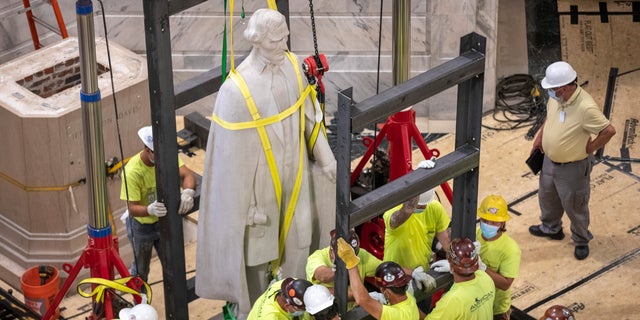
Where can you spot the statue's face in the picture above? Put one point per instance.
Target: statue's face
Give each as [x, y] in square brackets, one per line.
[274, 45]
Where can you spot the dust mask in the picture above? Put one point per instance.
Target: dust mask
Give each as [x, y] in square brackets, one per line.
[488, 231]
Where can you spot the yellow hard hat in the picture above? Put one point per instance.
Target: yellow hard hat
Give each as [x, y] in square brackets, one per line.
[494, 208]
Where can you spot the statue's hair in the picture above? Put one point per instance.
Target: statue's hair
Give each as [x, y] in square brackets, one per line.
[261, 23]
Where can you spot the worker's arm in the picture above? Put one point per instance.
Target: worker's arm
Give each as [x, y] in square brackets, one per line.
[603, 137]
[401, 215]
[324, 274]
[499, 280]
[444, 239]
[138, 210]
[537, 143]
[187, 178]
[360, 293]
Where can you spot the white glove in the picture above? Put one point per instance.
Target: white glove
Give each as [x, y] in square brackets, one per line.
[441, 266]
[124, 217]
[427, 164]
[423, 281]
[481, 265]
[378, 297]
[186, 200]
[157, 209]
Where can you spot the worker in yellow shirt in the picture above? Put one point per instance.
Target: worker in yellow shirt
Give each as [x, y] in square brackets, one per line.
[283, 300]
[499, 252]
[472, 293]
[411, 228]
[393, 282]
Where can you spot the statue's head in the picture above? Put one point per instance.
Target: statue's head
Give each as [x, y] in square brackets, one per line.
[267, 31]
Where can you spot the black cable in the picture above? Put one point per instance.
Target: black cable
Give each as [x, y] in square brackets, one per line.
[115, 108]
[519, 104]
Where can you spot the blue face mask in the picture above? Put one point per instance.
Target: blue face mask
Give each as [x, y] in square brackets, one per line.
[488, 231]
[298, 314]
[552, 95]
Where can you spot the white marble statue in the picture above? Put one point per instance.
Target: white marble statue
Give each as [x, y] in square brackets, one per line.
[254, 140]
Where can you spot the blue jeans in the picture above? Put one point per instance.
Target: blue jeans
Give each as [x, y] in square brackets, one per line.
[143, 238]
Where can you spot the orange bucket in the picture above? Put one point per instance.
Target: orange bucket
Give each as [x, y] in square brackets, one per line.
[40, 286]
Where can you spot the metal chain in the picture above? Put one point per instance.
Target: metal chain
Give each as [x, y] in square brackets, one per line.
[313, 28]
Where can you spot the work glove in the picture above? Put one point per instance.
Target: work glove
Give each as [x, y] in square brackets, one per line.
[186, 200]
[481, 265]
[441, 266]
[157, 209]
[378, 297]
[423, 281]
[427, 164]
[346, 253]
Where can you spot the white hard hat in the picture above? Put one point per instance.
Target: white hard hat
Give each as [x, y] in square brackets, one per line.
[426, 197]
[317, 298]
[558, 74]
[146, 135]
[141, 311]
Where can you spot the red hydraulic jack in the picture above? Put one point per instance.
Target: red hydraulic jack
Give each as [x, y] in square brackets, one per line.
[399, 129]
[101, 256]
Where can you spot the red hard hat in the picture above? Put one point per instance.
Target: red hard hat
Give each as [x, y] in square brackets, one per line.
[558, 313]
[293, 291]
[354, 240]
[463, 256]
[390, 275]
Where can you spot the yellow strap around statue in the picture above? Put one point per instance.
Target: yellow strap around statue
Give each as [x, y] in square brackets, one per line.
[262, 121]
[262, 133]
[104, 284]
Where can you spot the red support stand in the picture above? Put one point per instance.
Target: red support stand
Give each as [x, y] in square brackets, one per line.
[399, 129]
[101, 256]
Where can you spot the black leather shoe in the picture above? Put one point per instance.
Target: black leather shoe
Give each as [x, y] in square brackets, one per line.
[581, 252]
[535, 230]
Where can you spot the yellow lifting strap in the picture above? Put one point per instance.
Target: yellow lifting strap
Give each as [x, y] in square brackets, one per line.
[100, 285]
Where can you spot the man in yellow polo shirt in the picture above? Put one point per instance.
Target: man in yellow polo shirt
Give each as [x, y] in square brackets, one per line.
[573, 130]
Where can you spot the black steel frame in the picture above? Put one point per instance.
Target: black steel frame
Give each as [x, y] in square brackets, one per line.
[466, 71]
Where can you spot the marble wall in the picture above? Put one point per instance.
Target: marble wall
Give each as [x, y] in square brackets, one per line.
[347, 33]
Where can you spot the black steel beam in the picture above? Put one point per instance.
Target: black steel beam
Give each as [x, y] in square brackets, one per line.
[377, 201]
[343, 190]
[163, 120]
[199, 126]
[200, 86]
[416, 89]
[468, 130]
[176, 6]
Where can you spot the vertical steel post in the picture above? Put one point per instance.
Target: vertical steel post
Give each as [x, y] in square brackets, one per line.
[343, 189]
[469, 110]
[163, 120]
